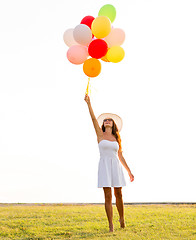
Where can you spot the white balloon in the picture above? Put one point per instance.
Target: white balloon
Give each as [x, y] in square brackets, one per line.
[82, 34]
[68, 37]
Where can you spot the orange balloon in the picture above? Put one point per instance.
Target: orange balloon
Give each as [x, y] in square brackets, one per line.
[92, 67]
[105, 59]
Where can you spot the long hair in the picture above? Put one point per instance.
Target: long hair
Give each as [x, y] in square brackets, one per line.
[115, 132]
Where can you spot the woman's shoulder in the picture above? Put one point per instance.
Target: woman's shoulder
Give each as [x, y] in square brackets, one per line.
[100, 136]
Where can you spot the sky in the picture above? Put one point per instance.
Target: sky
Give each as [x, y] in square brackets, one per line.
[48, 146]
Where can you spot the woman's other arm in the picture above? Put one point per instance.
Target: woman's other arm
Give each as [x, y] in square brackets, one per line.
[121, 158]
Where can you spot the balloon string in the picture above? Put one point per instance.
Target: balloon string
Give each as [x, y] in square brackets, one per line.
[88, 87]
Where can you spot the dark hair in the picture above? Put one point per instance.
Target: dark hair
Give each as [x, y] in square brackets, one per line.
[115, 132]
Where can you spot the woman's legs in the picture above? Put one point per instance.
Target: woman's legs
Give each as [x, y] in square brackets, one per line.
[108, 206]
[119, 205]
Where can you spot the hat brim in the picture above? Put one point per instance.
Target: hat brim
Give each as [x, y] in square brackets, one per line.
[116, 118]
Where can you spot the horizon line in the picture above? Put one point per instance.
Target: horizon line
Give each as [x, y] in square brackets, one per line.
[125, 203]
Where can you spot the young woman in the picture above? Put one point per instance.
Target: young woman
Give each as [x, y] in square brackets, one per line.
[110, 173]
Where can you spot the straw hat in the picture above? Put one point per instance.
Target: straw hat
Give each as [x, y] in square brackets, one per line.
[116, 118]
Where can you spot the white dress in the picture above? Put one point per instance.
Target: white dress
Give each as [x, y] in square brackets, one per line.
[110, 173]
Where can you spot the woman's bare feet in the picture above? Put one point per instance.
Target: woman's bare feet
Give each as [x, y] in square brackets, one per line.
[111, 228]
[122, 223]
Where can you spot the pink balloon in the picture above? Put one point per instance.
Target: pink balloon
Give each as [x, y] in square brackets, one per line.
[77, 54]
[115, 38]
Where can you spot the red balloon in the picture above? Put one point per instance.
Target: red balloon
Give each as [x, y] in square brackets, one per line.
[97, 48]
[87, 21]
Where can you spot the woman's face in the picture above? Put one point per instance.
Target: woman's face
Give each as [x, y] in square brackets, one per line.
[108, 122]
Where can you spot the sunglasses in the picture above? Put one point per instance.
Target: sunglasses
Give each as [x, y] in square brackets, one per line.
[108, 119]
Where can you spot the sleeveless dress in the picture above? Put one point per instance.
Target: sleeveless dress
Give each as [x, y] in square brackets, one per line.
[110, 172]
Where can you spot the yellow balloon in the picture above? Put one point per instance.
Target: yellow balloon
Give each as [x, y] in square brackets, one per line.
[115, 54]
[101, 26]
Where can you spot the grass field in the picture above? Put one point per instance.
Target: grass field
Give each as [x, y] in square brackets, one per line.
[89, 222]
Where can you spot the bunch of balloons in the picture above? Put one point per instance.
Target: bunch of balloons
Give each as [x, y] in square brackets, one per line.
[94, 39]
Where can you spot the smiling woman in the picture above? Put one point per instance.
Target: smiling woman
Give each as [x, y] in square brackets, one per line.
[110, 173]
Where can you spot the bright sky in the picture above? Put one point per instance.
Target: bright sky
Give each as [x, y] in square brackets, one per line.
[48, 147]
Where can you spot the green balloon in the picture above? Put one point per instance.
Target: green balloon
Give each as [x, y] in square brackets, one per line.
[109, 11]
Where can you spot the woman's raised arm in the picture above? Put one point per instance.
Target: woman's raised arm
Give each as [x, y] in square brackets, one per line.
[94, 120]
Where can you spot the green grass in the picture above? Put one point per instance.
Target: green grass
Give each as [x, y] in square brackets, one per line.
[89, 222]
